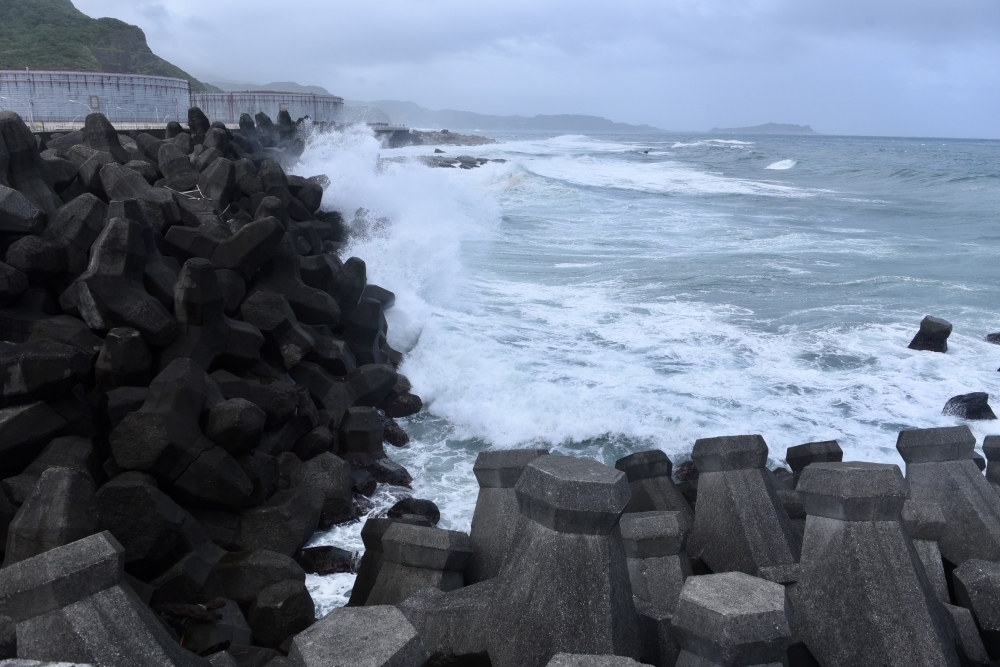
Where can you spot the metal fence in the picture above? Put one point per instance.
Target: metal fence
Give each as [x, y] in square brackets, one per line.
[227, 107]
[60, 100]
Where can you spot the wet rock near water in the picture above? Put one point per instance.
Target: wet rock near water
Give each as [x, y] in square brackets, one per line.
[458, 162]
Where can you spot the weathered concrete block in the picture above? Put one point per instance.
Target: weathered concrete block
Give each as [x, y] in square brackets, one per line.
[977, 588]
[576, 660]
[60, 577]
[244, 574]
[59, 511]
[740, 523]
[657, 563]
[653, 489]
[564, 585]
[371, 560]
[279, 611]
[416, 557]
[925, 524]
[362, 637]
[940, 470]
[732, 619]
[496, 511]
[799, 456]
[862, 595]
[971, 650]
[284, 523]
[451, 625]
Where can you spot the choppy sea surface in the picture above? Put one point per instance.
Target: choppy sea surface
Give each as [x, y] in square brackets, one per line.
[600, 295]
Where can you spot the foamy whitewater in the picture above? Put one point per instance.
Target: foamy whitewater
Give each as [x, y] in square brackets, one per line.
[604, 295]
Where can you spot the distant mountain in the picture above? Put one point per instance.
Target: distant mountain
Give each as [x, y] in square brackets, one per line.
[53, 34]
[278, 86]
[766, 128]
[408, 113]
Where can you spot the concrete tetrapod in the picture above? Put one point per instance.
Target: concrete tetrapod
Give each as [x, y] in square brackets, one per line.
[564, 586]
[416, 557]
[740, 523]
[657, 562]
[652, 488]
[862, 595]
[359, 637]
[496, 509]
[940, 470]
[731, 620]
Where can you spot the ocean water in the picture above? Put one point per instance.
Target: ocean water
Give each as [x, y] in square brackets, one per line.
[599, 295]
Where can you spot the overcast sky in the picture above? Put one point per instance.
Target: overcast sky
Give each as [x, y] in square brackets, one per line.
[884, 67]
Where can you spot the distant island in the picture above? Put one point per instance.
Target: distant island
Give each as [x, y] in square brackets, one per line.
[766, 128]
[408, 113]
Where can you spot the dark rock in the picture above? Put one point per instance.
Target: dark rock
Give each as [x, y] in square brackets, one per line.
[246, 178]
[99, 135]
[387, 471]
[25, 170]
[164, 438]
[144, 169]
[740, 523]
[146, 522]
[124, 360]
[363, 332]
[658, 565]
[18, 214]
[243, 252]
[204, 159]
[235, 425]
[61, 172]
[363, 482]
[217, 137]
[205, 334]
[279, 611]
[732, 619]
[13, 283]
[383, 296]
[652, 488]
[110, 292]
[933, 335]
[392, 432]
[218, 183]
[122, 401]
[940, 470]
[320, 271]
[564, 583]
[68, 330]
[398, 405]
[41, 369]
[284, 523]
[334, 395]
[417, 506]
[176, 168]
[332, 476]
[977, 588]
[230, 627]
[361, 437]
[317, 441]
[159, 204]
[199, 124]
[60, 510]
[277, 399]
[799, 456]
[371, 383]
[286, 342]
[969, 406]
[307, 192]
[244, 574]
[281, 275]
[264, 473]
[67, 452]
[377, 636]
[326, 560]
[24, 430]
[860, 577]
[233, 287]
[191, 580]
[149, 146]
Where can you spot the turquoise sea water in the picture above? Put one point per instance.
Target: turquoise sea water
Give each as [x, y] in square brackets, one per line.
[600, 295]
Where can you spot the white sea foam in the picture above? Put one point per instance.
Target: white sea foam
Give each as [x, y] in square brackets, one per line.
[782, 165]
[508, 348]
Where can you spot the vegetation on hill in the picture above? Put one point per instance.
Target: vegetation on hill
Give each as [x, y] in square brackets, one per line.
[53, 34]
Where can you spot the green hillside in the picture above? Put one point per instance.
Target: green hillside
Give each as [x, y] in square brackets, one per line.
[53, 34]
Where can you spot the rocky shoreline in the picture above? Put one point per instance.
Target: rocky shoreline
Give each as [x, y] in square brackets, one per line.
[195, 382]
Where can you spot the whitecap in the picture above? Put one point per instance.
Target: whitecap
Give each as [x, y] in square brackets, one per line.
[782, 164]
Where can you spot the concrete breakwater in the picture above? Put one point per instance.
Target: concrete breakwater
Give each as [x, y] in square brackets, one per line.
[195, 381]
